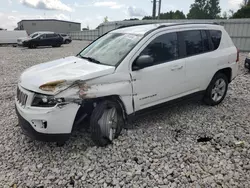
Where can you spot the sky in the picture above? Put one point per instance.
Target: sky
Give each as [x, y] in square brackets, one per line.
[89, 12]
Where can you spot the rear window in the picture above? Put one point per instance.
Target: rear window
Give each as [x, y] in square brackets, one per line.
[216, 38]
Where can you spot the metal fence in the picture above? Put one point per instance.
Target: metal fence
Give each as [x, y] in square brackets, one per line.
[238, 29]
[89, 35]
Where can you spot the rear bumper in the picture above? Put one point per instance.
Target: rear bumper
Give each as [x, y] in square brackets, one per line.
[29, 131]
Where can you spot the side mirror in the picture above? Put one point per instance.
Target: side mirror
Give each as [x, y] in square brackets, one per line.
[142, 62]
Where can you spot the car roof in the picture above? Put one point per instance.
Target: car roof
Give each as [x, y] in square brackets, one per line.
[44, 32]
[143, 29]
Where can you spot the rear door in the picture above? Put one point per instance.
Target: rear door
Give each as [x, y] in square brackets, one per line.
[51, 39]
[42, 40]
[58, 39]
[200, 60]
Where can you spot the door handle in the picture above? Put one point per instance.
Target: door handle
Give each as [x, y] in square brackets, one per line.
[174, 68]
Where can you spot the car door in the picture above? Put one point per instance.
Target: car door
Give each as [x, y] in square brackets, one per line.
[200, 62]
[164, 80]
[50, 39]
[42, 40]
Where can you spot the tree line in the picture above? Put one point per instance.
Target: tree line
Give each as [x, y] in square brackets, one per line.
[207, 9]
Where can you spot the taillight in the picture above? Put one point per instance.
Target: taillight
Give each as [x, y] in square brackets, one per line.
[238, 55]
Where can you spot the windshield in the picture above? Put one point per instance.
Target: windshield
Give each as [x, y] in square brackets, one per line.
[111, 48]
[33, 35]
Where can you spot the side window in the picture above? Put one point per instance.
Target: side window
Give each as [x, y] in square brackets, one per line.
[205, 41]
[42, 36]
[193, 42]
[50, 35]
[162, 49]
[55, 35]
[216, 38]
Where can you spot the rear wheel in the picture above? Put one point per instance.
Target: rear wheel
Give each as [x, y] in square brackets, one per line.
[106, 122]
[216, 90]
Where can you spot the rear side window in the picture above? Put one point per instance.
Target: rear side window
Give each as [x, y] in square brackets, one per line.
[163, 48]
[206, 47]
[216, 38]
[51, 35]
[193, 42]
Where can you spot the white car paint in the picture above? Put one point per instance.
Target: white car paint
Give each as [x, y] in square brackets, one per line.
[155, 84]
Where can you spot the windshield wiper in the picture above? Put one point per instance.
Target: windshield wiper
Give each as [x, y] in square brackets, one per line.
[91, 59]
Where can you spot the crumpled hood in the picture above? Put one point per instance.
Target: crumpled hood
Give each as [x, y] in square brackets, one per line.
[70, 69]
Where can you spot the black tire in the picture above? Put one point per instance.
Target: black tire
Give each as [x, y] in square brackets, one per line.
[60, 144]
[67, 41]
[97, 135]
[208, 99]
[247, 64]
[32, 46]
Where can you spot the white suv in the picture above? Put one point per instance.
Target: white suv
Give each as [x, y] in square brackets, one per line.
[123, 73]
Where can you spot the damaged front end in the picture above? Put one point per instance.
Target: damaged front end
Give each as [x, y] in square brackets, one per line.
[63, 92]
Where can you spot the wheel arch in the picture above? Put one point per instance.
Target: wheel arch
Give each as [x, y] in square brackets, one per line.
[227, 71]
[88, 106]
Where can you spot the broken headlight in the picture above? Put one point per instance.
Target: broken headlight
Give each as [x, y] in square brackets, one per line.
[45, 100]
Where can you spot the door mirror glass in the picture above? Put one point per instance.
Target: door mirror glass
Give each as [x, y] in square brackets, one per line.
[142, 62]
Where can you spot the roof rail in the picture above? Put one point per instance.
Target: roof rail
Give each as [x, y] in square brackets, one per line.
[177, 24]
[124, 26]
[188, 23]
[162, 26]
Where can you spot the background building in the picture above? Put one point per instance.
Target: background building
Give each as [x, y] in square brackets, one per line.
[58, 26]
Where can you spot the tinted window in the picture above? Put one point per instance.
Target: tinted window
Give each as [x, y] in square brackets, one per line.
[193, 42]
[164, 48]
[42, 36]
[216, 38]
[205, 41]
[51, 35]
[34, 35]
[63, 35]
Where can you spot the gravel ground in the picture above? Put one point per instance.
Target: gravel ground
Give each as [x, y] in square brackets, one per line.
[161, 151]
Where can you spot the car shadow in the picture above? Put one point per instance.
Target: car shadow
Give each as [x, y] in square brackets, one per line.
[40, 47]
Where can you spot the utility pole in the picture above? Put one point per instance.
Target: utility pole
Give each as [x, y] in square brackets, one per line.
[159, 10]
[154, 9]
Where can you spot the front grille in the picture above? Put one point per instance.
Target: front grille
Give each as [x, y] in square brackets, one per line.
[21, 97]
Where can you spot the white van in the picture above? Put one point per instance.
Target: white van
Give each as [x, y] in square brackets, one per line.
[123, 73]
[10, 37]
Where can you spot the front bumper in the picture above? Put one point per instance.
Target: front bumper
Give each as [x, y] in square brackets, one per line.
[29, 131]
[45, 124]
[247, 63]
